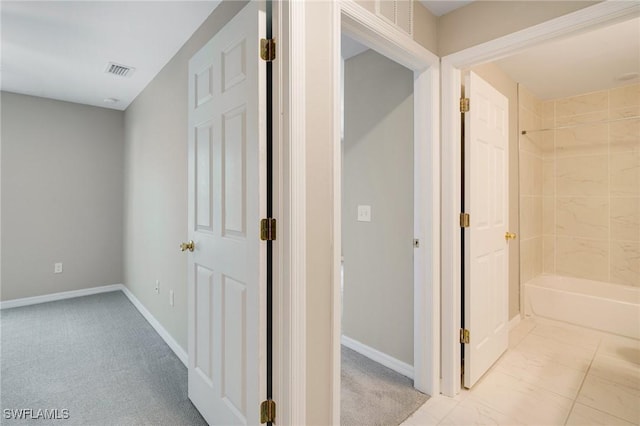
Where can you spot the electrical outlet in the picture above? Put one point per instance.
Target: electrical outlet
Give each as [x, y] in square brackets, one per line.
[57, 268]
[157, 287]
[171, 297]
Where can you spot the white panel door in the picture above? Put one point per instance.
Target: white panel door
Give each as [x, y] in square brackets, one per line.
[226, 271]
[486, 249]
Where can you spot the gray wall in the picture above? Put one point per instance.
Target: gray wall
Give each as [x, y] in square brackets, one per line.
[62, 192]
[504, 84]
[155, 196]
[378, 171]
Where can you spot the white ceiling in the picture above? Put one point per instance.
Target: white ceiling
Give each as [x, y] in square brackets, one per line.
[442, 7]
[60, 49]
[584, 63]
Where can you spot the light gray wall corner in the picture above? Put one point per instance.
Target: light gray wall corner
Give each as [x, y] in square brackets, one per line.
[62, 190]
[155, 195]
[378, 171]
[425, 27]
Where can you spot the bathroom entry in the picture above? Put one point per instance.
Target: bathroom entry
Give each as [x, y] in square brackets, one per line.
[485, 224]
[377, 207]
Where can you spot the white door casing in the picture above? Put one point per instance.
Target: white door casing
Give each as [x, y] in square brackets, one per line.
[354, 20]
[226, 199]
[486, 254]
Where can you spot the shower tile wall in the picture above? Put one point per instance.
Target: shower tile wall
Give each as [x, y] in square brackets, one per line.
[590, 186]
[531, 186]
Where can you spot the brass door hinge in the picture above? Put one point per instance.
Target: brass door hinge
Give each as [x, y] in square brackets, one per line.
[464, 105]
[465, 336]
[268, 411]
[465, 219]
[268, 49]
[268, 229]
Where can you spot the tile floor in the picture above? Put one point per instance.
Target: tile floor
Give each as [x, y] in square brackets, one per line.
[552, 374]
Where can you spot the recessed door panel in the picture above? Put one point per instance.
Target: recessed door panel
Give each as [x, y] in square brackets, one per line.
[233, 334]
[203, 86]
[234, 146]
[204, 312]
[482, 164]
[204, 168]
[234, 64]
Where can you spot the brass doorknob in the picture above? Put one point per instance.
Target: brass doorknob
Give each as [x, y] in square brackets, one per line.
[510, 236]
[188, 246]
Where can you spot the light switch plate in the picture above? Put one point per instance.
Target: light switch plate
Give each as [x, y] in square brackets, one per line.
[364, 213]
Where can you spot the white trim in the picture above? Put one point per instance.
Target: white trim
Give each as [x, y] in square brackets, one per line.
[388, 361]
[336, 299]
[26, 301]
[513, 322]
[175, 347]
[451, 208]
[606, 12]
[370, 30]
[291, 179]
[280, 374]
[426, 264]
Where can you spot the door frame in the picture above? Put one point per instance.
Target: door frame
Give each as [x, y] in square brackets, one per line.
[289, 203]
[600, 14]
[360, 24]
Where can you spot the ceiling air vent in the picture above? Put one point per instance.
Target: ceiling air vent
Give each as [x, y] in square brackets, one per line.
[119, 70]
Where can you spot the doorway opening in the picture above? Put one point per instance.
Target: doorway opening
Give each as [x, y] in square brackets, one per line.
[377, 239]
[354, 21]
[453, 66]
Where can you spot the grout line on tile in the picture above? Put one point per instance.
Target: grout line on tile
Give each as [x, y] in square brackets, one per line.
[441, 418]
[448, 412]
[609, 184]
[535, 325]
[584, 379]
[604, 412]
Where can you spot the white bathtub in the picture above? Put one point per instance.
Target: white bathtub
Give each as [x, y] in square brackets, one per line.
[602, 306]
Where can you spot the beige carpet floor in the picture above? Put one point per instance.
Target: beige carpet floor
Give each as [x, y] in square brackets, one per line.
[374, 395]
[95, 360]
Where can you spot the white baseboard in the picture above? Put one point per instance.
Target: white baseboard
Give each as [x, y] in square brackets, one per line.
[25, 301]
[379, 357]
[514, 321]
[175, 347]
